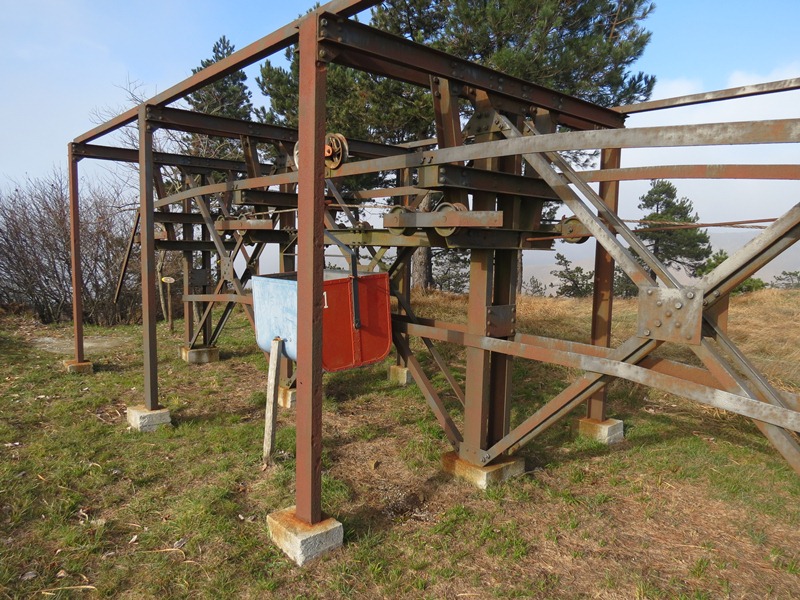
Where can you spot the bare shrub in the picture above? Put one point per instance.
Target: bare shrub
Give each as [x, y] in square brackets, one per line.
[35, 265]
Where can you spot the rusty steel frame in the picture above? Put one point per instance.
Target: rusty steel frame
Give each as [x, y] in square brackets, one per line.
[501, 167]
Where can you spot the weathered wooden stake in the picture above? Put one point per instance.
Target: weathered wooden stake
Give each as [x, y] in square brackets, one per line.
[273, 387]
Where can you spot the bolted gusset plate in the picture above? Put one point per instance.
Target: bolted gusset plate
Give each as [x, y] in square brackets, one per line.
[671, 315]
[501, 320]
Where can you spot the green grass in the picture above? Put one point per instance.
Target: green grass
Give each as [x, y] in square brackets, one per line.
[182, 512]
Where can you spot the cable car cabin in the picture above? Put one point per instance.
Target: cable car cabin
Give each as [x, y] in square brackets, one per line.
[356, 320]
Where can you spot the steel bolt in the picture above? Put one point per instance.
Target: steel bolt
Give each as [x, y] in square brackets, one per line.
[688, 336]
[323, 53]
[323, 22]
[716, 293]
[690, 295]
[485, 458]
[649, 292]
[657, 323]
[679, 305]
[647, 332]
[659, 303]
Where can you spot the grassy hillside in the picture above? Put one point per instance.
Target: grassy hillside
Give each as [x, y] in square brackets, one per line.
[694, 504]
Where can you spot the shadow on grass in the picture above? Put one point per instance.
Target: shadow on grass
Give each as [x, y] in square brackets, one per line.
[369, 520]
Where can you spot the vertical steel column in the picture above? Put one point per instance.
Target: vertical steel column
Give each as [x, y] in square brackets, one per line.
[476, 394]
[188, 267]
[75, 252]
[287, 264]
[506, 277]
[311, 209]
[603, 297]
[205, 265]
[148, 260]
[403, 275]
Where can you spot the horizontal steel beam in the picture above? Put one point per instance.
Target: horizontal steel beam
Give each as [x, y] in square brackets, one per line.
[194, 122]
[193, 163]
[710, 134]
[238, 299]
[361, 39]
[713, 134]
[727, 94]
[776, 172]
[776, 415]
[243, 225]
[177, 217]
[478, 180]
[190, 245]
[471, 218]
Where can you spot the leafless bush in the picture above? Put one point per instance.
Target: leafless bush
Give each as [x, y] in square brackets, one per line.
[35, 250]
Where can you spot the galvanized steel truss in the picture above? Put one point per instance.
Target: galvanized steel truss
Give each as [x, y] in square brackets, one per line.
[493, 208]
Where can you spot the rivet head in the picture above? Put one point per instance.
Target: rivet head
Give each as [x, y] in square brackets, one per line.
[716, 293]
[679, 305]
[668, 313]
[647, 332]
[659, 303]
[649, 292]
[690, 295]
[677, 325]
[688, 336]
[657, 323]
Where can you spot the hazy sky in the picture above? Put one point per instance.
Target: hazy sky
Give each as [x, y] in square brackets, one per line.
[65, 61]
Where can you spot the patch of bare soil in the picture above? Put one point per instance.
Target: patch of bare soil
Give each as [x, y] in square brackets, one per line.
[59, 345]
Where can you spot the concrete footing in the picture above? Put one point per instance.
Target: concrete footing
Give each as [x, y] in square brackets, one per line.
[300, 541]
[287, 397]
[609, 431]
[82, 367]
[400, 375]
[201, 355]
[497, 472]
[142, 419]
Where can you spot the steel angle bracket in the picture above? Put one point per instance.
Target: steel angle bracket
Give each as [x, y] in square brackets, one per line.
[671, 314]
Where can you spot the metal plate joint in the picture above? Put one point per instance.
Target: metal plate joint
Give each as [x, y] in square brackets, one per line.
[671, 315]
[199, 277]
[501, 321]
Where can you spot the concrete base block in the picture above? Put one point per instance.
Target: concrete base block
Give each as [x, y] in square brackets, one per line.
[142, 419]
[609, 431]
[287, 397]
[300, 541]
[497, 472]
[200, 356]
[83, 367]
[400, 375]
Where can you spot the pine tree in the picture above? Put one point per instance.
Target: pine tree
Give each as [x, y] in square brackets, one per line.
[574, 282]
[679, 248]
[584, 48]
[227, 97]
[751, 284]
[787, 280]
